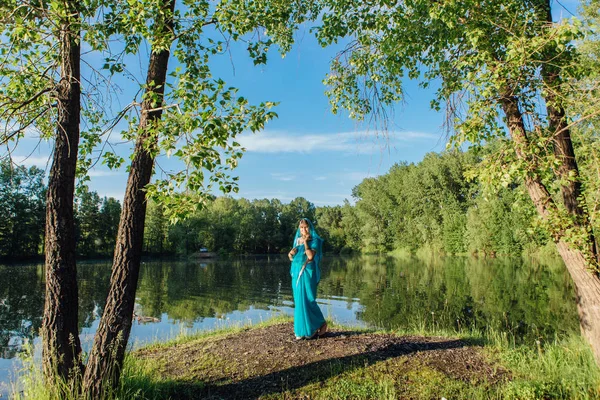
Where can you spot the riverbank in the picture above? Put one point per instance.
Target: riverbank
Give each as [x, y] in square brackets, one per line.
[515, 302]
[265, 361]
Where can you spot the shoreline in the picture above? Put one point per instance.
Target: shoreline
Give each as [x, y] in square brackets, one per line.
[265, 361]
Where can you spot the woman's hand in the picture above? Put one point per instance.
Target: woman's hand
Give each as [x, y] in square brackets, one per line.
[303, 240]
[291, 254]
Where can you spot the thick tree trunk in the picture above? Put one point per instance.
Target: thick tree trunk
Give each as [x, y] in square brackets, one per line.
[106, 358]
[60, 337]
[587, 289]
[587, 281]
[567, 171]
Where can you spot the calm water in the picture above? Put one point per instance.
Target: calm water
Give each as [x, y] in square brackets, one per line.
[531, 301]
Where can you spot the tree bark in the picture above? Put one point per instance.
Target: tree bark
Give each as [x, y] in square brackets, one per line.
[567, 171]
[587, 291]
[106, 358]
[586, 280]
[60, 337]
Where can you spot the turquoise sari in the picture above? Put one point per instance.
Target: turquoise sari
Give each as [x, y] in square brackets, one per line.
[308, 318]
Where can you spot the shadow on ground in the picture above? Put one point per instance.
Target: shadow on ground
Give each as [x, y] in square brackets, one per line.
[268, 361]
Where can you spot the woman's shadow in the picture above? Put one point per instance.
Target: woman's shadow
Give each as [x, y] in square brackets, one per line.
[298, 376]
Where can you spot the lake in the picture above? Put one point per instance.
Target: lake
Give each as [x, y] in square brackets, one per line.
[528, 301]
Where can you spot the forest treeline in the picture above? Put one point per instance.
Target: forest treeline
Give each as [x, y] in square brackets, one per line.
[430, 204]
[23, 211]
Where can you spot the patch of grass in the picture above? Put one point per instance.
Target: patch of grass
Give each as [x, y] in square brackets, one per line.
[391, 379]
[142, 380]
[559, 370]
[183, 368]
[360, 382]
[184, 337]
[31, 383]
[423, 382]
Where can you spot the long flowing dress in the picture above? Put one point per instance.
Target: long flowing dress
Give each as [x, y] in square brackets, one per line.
[308, 317]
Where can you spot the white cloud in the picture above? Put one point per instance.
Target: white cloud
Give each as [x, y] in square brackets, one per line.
[319, 202]
[259, 195]
[30, 161]
[320, 178]
[283, 177]
[286, 197]
[31, 133]
[115, 195]
[348, 142]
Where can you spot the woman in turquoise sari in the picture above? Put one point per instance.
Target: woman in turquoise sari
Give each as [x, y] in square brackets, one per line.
[305, 257]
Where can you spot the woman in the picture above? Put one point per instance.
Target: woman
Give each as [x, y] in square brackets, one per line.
[305, 257]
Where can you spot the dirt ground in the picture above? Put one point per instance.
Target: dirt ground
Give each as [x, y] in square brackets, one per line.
[270, 361]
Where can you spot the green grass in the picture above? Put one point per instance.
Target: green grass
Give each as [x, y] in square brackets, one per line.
[562, 369]
[227, 329]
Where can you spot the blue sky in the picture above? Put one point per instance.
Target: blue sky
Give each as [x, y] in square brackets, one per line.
[307, 151]
[310, 152]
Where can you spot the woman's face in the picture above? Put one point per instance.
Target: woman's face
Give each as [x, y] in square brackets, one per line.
[304, 229]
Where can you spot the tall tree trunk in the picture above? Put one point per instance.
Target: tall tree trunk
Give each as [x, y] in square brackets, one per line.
[60, 337]
[587, 281]
[567, 171]
[106, 358]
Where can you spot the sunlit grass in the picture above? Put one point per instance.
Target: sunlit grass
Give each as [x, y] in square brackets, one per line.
[562, 369]
[227, 328]
[558, 369]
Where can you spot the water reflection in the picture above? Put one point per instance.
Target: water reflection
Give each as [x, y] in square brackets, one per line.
[189, 292]
[21, 306]
[530, 301]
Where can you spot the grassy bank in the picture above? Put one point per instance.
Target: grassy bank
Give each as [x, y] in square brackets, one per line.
[266, 361]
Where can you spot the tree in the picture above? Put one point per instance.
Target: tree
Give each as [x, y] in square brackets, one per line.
[375, 209]
[44, 93]
[210, 114]
[498, 223]
[110, 212]
[88, 223]
[22, 206]
[506, 69]
[41, 89]
[155, 229]
[291, 214]
[266, 228]
[61, 345]
[351, 227]
[330, 227]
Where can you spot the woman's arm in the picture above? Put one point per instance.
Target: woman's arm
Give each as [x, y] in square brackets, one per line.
[292, 253]
[310, 253]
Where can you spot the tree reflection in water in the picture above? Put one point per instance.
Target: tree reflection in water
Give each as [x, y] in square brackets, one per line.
[529, 301]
